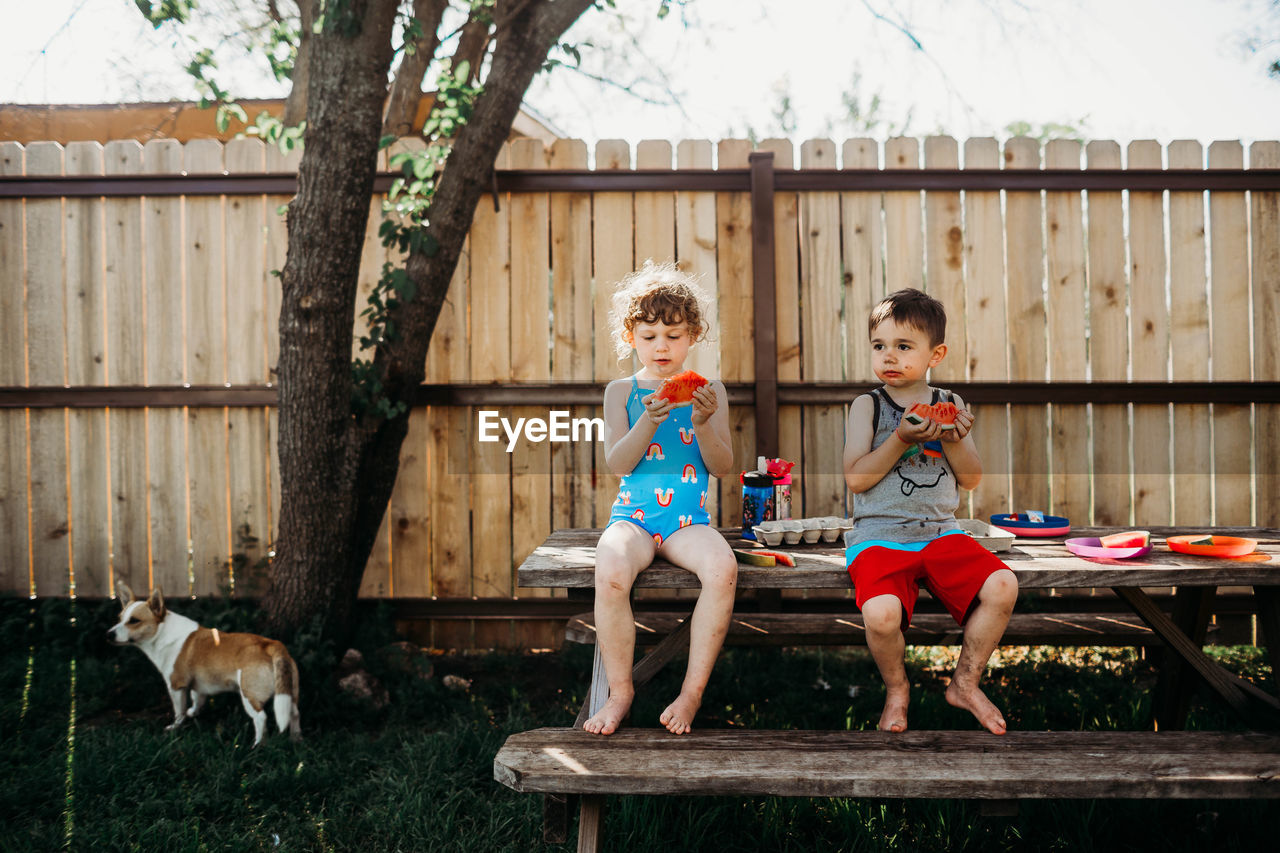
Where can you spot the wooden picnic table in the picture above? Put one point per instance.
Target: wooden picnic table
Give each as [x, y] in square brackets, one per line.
[557, 762]
[566, 560]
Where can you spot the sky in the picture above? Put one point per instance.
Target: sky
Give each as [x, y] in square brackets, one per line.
[712, 69]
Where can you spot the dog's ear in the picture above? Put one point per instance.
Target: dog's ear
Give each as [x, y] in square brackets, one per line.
[156, 602]
[124, 593]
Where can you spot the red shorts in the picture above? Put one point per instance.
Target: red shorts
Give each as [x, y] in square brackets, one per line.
[954, 568]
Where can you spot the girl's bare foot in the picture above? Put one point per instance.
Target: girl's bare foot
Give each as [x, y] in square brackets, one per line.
[678, 718]
[607, 719]
[976, 702]
[894, 716]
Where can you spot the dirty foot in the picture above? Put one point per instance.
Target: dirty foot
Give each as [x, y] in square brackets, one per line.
[976, 702]
[678, 718]
[607, 719]
[894, 716]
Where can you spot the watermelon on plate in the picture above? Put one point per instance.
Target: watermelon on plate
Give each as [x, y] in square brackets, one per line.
[944, 414]
[679, 388]
[1127, 539]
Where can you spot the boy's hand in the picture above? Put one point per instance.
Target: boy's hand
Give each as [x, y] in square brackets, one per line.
[656, 409]
[705, 404]
[964, 423]
[927, 430]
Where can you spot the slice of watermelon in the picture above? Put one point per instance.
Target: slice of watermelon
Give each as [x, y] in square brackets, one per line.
[943, 413]
[783, 558]
[755, 558]
[1127, 539]
[679, 388]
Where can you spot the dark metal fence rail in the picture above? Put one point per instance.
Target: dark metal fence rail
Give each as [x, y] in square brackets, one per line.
[683, 180]
[590, 393]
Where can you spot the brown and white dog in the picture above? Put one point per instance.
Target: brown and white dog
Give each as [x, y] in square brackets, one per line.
[198, 662]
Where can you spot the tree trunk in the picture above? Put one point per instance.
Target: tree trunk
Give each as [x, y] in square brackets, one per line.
[337, 472]
[349, 62]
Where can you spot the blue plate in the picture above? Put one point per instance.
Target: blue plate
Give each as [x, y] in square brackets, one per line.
[1020, 525]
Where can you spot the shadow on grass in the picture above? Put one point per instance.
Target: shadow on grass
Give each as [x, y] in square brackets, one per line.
[417, 775]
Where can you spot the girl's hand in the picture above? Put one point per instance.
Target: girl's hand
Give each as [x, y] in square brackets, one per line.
[705, 404]
[964, 423]
[656, 409]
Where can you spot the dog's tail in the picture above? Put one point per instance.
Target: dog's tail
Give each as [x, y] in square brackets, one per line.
[285, 702]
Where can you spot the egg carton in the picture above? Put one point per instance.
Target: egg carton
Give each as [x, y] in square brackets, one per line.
[792, 531]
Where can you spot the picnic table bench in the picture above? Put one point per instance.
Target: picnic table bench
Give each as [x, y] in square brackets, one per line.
[1162, 764]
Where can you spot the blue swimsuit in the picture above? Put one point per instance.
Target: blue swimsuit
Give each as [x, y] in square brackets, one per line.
[667, 489]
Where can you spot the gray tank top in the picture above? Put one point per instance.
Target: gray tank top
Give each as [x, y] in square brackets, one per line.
[917, 500]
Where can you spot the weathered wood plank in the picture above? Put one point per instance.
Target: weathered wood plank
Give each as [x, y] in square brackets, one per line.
[800, 629]
[205, 257]
[1229, 275]
[939, 764]
[1264, 235]
[165, 360]
[821, 284]
[15, 575]
[572, 501]
[733, 336]
[86, 365]
[1108, 341]
[567, 557]
[1069, 442]
[987, 320]
[1028, 349]
[1149, 342]
[46, 365]
[531, 354]
[613, 258]
[248, 284]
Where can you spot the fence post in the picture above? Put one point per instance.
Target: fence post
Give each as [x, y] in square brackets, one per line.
[765, 323]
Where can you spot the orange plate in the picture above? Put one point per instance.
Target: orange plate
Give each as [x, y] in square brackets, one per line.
[1223, 546]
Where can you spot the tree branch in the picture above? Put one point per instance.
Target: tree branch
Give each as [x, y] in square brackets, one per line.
[406, 89]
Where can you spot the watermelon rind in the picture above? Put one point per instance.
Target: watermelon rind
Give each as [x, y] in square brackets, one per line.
[779, 556]
[753, 559]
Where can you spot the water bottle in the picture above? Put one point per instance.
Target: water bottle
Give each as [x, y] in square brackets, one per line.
[757, 501]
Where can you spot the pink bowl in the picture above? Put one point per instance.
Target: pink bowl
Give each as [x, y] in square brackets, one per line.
[1092, 547]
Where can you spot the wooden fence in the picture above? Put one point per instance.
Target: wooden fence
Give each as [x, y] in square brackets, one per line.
[1147, 288]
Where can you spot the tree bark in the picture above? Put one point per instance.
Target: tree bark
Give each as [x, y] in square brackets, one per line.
[337, 472]
[348, 66]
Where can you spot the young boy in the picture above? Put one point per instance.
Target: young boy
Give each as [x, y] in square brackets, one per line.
[905, 532]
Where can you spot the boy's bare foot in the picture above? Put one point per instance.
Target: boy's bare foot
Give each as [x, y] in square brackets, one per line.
[678, 718]
[976, 702]
[607, 719]
[894, 716]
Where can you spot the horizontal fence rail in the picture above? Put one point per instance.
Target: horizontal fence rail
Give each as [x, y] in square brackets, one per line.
[590, 393]
[685, 180]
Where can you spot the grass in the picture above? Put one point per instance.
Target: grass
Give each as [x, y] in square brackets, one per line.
[88, 766]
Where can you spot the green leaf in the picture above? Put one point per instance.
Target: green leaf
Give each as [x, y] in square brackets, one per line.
[424, 167]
